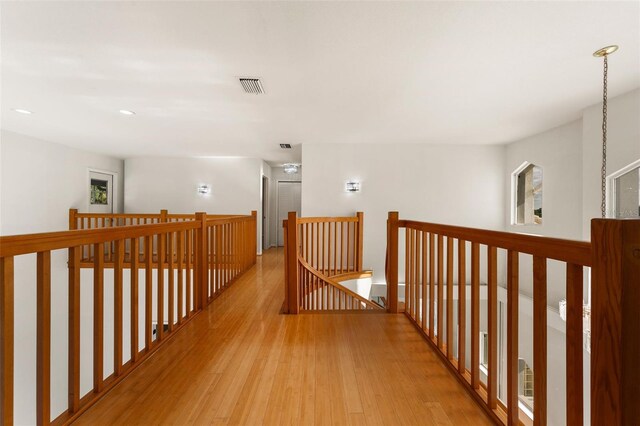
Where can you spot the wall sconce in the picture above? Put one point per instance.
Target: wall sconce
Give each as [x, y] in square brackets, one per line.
[204, 189]
[352, 186]
[290, 168]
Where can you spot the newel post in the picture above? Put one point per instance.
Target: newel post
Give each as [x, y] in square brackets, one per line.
[73, 221]
[615, 322]
[360, 241]
[391, 271]
[201, 256]
[292, 263]
[163, 216]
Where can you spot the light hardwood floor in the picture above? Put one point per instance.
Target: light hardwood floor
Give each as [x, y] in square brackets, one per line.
[241, 362]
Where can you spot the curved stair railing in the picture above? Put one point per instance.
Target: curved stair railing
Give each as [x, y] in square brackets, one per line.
[319, 292]
[320, 252]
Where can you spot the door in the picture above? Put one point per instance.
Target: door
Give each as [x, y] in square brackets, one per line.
[100, 192]
[265, 212]
[289, 200]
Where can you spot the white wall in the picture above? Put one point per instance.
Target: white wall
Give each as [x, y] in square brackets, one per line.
[40, 182]
[155, 183]
[559, 153]
[459, 184]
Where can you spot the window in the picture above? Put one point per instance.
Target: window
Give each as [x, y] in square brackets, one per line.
[626, 192]
[484, 349]
[527, 186]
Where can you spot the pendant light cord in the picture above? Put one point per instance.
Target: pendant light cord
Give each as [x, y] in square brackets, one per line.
[603, 206]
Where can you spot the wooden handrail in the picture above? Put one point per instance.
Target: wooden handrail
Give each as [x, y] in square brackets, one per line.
[614, 254]
[576, 252]
[201, 258]
[324, 303]
[335, 284]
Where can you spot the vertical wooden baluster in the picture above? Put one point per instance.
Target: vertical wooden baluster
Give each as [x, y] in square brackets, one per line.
[424, 279]
[492, 308]
[341, 247]
[574, 338]
[180, 276]
[462, 306]
[211, 270]
[316, 263]
[171, 283]
[334, 247]
[188, 274]
[440, 292]
[73, 375]
[160, 305]
[513, 294]
[323, 265]
[117, 306]
[135, 259]
[6, 339]
[360, 240]
[219, 255]
[148, 290]
[228, 248]
[416, 277]
[348, 244]
[407, 257]
[98, 317]
[475, 315]
[450, 298]
[540, 340]
[43, 341]
[432, 285]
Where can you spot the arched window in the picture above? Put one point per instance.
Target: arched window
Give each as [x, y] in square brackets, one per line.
[527, 195]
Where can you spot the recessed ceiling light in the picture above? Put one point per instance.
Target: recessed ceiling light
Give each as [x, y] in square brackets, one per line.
[127, 112]
[22, 111]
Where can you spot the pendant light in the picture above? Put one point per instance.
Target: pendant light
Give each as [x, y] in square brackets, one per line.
[604, 53]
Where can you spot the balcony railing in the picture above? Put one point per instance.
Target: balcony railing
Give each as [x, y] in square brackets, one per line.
[184, 265]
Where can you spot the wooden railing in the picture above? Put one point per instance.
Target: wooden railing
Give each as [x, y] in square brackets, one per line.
[318, 252]
[195, 260]
[437, 257]
[109, 220]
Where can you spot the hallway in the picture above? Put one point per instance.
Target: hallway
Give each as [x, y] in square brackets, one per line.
[241, 362]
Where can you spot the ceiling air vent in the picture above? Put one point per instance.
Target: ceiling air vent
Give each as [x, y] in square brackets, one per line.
[252, 85]
[285, 145]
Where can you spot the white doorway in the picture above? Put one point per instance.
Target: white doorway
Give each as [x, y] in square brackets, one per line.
[265, 212]
[101, 187]
[289, 200]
